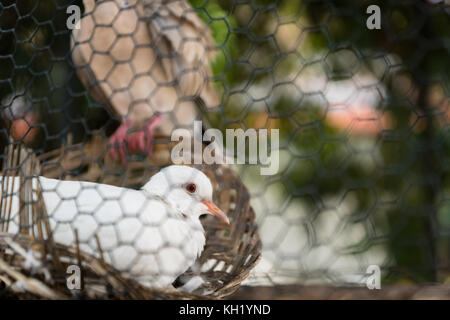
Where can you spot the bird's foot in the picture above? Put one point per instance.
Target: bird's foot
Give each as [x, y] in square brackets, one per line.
[140, 141]
[118, 141]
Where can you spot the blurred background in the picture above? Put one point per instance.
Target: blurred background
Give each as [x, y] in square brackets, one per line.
[363, 116]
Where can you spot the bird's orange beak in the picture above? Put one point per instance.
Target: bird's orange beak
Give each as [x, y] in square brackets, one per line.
[215, 210]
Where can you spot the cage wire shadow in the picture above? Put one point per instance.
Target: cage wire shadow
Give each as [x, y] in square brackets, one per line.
[362, 114]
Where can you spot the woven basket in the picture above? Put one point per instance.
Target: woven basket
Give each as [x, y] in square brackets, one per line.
[227, 259]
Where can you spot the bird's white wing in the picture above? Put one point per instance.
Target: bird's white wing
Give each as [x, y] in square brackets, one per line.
[71, 202]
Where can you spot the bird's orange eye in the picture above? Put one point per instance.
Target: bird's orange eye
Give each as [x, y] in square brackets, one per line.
[191, 187]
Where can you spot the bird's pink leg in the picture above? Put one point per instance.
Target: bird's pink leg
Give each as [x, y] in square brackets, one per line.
[136, 142]
[118, 141]
[141, 141]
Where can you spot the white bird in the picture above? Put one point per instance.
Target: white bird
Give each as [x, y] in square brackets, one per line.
[152, 235]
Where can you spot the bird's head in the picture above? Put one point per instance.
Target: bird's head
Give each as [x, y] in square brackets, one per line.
[187, 189]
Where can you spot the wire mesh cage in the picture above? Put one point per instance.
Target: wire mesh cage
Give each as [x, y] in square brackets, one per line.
[356, 94]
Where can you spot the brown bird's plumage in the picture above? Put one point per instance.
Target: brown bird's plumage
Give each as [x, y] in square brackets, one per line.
[145, 56]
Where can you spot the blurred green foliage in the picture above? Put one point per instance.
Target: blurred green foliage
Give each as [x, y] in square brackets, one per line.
[410, 172]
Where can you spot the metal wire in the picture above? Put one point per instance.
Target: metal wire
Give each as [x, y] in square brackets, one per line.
[363, 116]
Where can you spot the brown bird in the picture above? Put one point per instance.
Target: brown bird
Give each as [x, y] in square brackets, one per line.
[147, 60]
